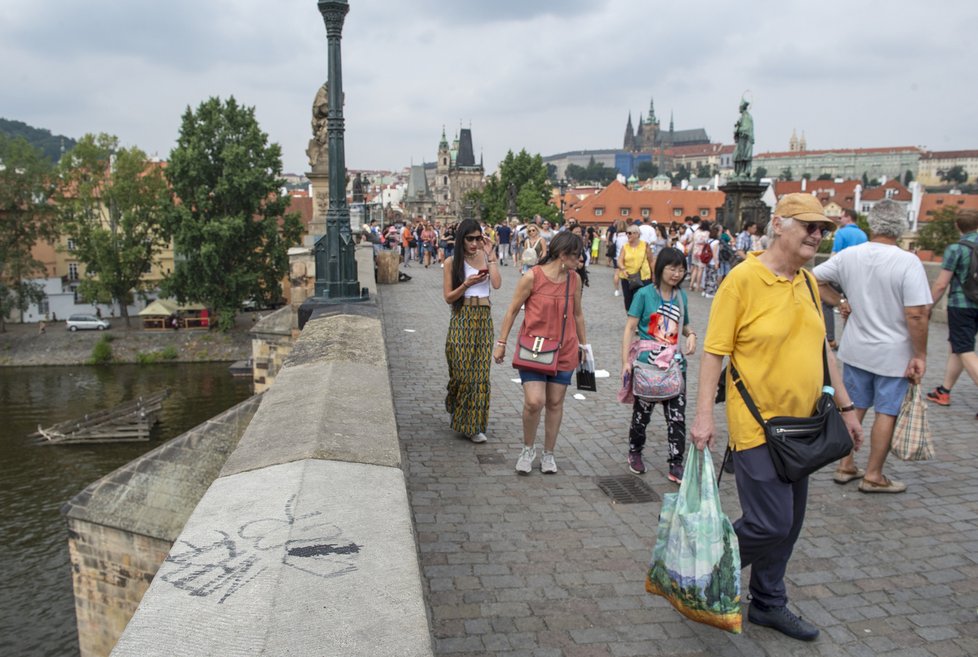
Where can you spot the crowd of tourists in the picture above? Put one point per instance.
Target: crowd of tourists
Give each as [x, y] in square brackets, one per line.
[771, 322]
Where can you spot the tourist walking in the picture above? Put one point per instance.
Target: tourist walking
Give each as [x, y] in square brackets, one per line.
[467, 280]
[766, 317]
[962, 306]
[428, 243]
[710, 259]
[551, 296]
[884, 346]
[635, 263]
[534, 248]
[660, 315]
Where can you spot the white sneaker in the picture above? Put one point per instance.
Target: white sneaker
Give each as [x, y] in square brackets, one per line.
[477, 437]
[524, 464]
[547, 463]
[617, 293]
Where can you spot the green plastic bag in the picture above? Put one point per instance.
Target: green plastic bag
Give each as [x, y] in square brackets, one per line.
[696, 559]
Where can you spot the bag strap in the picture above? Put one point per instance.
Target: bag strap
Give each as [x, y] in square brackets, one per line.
[563, 326]
[742, 389]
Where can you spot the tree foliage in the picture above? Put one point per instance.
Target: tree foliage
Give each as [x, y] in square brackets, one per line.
[760, 172]
[956, 175]
[646, 169]
[49, 145]
[112, 203]
[26, 217]
[826, 176]
[594, 173]
[680, 174]
[786, 174]
[936, 234]
[229, 225]
[528, 175]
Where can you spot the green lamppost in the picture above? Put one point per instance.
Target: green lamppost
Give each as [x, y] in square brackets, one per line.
[336, 267]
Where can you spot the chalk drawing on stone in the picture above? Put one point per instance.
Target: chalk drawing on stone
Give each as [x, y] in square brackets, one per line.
[228, 563]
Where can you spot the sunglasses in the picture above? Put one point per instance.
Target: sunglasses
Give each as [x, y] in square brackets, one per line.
[812, 227]
[473, 238]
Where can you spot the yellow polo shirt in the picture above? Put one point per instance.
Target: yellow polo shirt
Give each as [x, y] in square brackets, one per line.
[773, 332]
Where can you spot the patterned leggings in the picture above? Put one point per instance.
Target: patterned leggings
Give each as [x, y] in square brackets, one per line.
[675, 412]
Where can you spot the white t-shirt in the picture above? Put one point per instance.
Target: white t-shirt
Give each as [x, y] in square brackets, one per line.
[879, 281]
[621, 238]
[646, 233]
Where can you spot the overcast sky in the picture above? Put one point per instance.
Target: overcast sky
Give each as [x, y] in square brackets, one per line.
[545, 75]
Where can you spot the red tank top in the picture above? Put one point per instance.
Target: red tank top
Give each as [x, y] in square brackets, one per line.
[543, 315]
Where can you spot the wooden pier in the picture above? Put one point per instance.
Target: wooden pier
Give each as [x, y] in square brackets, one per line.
[130, 421]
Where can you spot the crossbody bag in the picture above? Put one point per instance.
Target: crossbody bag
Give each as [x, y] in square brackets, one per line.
[537, 353]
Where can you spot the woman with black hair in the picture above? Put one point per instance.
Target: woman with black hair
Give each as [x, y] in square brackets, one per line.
[469, 274]
[551, 295]
[660, 315]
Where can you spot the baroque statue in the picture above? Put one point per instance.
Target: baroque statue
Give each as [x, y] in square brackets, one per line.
[744, 140]
[318, 150]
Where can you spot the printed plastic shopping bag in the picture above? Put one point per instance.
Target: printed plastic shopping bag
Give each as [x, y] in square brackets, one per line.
[696, 559]
[911, 435]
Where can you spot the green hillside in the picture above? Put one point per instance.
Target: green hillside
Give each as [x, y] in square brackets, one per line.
[41, 139]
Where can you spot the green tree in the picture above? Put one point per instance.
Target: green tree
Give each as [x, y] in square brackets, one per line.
[806, 176]
[786, 174]
[825, 176]
[956, 175]
[113, 202]
[704, 171]
[230, 228]
[936, 234]
[680, 175]
[528, 176]
[760, 172]
[907, 178]
[26, 218]
[575, 172]
[646, 170]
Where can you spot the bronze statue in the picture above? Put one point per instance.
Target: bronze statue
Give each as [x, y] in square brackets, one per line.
[511, 192]
[744, 139]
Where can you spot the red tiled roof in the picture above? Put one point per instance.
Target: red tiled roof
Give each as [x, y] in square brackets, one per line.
[843, 193]
[694, 150]
[879, 193]
[947, 155]
[933, 203]
[838, 151]
[661, 205]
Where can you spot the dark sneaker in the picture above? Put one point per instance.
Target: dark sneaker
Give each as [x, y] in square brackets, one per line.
[939, 398]
[676, 473]
[782, 620]
[635, 464]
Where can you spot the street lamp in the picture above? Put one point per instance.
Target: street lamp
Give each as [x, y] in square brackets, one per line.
[336, 267]
[561, 188]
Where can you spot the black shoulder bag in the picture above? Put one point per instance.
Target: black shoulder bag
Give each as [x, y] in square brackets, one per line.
[801, 445]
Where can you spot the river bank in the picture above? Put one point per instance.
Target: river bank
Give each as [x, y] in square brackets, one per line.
[22, 345]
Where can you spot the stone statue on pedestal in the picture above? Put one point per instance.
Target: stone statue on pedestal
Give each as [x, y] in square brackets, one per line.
[318, 150]
[744, 139]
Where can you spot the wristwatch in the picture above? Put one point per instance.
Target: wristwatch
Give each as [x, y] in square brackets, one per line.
[846, 409]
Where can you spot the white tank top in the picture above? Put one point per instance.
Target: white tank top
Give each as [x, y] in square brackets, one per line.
[479, 289]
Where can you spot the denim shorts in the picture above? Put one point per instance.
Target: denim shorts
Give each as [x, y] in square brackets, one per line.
[868, 390]
[563, 378]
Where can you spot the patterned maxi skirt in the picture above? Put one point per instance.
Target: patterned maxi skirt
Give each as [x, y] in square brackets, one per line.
[468, 350]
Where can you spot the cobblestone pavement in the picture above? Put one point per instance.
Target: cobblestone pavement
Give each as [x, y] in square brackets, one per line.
[549, 566]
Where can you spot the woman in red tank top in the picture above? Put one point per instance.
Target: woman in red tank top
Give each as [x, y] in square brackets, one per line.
[542, 292]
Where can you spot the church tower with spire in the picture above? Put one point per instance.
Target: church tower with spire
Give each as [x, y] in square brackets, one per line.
[629, 144]
[650, 129]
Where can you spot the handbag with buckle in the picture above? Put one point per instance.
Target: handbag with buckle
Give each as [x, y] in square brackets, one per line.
[801, 445]
[539, 354]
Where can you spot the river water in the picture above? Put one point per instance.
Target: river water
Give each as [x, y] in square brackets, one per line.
[37, 613]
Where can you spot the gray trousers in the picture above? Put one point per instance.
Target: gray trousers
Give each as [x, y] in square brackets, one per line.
[773, 513]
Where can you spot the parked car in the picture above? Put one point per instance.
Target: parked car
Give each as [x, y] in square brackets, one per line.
[86, 322]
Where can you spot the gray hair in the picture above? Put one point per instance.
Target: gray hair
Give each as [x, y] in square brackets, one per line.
[786, 223]
[888, 218]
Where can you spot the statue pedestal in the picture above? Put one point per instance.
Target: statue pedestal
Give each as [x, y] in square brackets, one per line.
[743, 203]
[320, 204]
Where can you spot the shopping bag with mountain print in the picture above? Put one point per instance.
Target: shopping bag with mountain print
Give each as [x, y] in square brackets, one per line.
[696, 559]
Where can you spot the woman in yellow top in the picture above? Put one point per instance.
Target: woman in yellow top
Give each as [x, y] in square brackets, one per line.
[635, 265]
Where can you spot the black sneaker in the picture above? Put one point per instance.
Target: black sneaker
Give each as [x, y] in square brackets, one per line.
[782, 620]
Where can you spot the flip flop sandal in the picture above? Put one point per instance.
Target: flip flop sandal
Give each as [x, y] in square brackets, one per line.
[842, 477]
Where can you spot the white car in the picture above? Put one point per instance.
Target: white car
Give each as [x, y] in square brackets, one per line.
[86, 322]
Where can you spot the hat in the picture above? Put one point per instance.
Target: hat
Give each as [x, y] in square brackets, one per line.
[803, 207]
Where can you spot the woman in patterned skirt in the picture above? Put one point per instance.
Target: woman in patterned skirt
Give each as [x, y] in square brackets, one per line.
[469, 273]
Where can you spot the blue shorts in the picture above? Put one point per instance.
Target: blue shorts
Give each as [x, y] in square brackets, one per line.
[868, 390]
[563, 378]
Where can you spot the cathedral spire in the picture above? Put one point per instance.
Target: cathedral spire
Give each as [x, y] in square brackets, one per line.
[652, 118]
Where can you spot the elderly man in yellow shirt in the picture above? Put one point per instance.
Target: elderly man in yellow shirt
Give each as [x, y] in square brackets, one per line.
[767, 318]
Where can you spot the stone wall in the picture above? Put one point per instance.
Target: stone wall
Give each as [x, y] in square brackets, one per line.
[121, 527]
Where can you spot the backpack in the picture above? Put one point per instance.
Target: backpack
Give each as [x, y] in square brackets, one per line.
[706, 253]
[727, 254]
[970, 283]
[530, 255]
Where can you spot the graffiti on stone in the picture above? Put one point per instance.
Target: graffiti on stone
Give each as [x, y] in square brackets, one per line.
[227, 563]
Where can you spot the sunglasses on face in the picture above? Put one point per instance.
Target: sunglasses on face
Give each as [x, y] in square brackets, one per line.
[473, 238]
[812, 227]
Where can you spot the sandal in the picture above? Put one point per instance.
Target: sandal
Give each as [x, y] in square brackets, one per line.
[845, 476]
[885, 486]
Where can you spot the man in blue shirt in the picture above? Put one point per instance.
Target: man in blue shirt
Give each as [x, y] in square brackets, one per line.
[848, 235]
[962, 312]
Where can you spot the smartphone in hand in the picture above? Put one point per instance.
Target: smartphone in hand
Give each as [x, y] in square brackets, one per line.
[483, 272]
